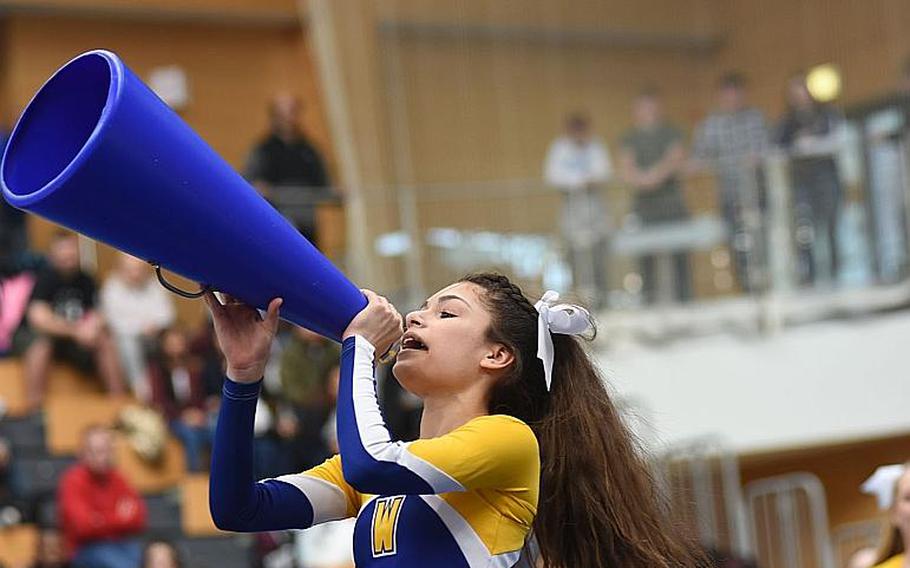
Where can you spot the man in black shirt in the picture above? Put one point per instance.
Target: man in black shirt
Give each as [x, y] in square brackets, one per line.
[286, 159]
[809, 132]
[62, 323]
[651, 158]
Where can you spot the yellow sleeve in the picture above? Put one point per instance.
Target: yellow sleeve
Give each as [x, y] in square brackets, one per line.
[490, 452]
[331, 472]
[893, 562]
[487, 452]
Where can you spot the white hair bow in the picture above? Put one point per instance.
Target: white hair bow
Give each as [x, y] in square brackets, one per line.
[882, 482]
[566, 319]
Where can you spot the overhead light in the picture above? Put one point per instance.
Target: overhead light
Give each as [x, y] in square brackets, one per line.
[824, 82]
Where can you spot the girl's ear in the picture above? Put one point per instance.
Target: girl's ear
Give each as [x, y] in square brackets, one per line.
[497, 358]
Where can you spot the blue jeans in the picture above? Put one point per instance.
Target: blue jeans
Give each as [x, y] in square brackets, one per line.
[195, 442]
[109, 554]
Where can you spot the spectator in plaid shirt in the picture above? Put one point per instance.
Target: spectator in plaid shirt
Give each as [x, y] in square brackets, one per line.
[732, 141]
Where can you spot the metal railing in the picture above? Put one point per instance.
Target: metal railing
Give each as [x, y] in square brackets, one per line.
[851, 538]
[745, 268]
[513, 226]
[701, 478]
[789, 519]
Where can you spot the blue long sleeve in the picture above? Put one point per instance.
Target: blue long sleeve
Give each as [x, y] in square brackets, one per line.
[237, 502]
[372, 462]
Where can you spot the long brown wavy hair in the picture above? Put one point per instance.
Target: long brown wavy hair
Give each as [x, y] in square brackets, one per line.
[892, 542]
[599, 505]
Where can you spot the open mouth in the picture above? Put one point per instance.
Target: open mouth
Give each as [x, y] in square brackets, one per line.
[411, 342]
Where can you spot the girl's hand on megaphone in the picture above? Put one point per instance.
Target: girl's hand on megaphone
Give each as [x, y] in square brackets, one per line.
[379, 323]
[245, 338]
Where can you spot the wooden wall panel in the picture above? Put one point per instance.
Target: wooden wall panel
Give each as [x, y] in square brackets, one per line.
[772, 39]
[473, 107]
[426, 109]
[841, 468]
[232, 71]
[479, 111]
[472, 110]
[259, 9]
[18, 544]
[644, 15]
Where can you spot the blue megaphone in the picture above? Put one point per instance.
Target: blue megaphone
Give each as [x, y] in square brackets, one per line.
[98, 152]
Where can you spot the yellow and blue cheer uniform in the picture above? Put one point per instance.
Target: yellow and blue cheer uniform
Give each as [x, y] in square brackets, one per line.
[465, 499]
[893, 562]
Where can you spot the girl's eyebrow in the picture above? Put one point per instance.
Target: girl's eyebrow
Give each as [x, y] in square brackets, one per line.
[423, 306]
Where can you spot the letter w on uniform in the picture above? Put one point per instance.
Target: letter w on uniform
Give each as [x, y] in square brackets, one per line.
[385, 525]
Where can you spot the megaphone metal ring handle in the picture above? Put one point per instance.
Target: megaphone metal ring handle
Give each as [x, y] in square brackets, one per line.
[182, 293]
[390, 355]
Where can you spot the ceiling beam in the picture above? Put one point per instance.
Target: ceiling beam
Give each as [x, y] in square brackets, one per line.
[604, 37]
[243, 17]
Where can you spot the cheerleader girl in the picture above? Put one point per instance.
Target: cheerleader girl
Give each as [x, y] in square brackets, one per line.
[520, 447]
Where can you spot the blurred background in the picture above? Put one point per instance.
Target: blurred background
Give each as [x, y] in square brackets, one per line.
[724, 182]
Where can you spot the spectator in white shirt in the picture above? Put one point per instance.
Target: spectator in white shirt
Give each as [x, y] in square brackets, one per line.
[578, 165]
[137, 310]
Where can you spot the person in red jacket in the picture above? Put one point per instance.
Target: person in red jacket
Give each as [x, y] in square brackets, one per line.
[100, 512]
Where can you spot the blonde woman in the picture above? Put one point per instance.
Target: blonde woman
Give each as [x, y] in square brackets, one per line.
[891, 484]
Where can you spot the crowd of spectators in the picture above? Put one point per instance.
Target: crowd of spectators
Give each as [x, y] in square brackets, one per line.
[175, 371]
[732, 145]
[124, 332]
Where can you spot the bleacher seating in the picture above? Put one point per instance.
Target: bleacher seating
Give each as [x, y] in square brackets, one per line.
[18, 544]
[12, 387]
[78, 405]
[68, 415]
[40, 474]
[231, 552]
[63, 382]
[45, 513]
[196, 519]
[45, 444]
[66, 382]
[152, 478]
[26, 434]
[163, 517]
